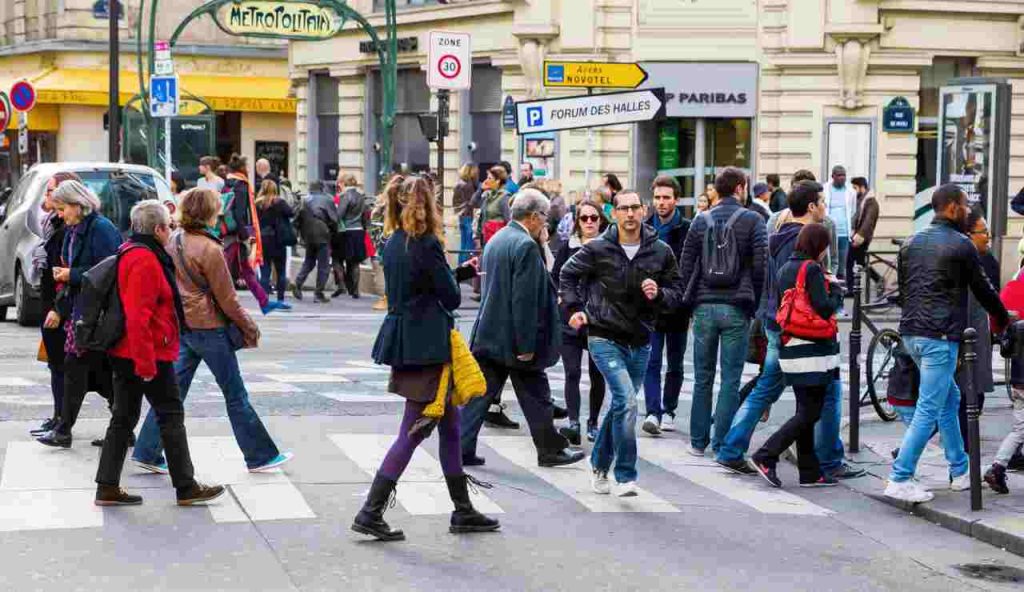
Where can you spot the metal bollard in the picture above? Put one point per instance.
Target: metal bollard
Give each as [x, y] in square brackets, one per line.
[970, 341]
[854, 440]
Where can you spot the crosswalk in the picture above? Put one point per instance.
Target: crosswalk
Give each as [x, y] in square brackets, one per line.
[48, 489]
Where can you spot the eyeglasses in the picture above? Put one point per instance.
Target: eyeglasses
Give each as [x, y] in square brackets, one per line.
[629, 208]
[593, 218]
[981, 232]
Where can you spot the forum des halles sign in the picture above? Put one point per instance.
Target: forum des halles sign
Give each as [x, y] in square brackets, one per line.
[279, 18]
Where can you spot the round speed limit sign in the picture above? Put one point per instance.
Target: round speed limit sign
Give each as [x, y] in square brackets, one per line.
[449, 66]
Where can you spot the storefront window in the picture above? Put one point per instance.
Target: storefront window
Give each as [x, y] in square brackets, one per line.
[410, 150]
[485, 114]
[727, 143]
[327, 129]
[942, 70]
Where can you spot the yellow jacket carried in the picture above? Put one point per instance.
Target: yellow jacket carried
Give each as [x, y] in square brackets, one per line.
[464, 372]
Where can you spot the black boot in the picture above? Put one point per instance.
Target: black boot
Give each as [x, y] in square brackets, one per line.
[370, 520]
[465, 518]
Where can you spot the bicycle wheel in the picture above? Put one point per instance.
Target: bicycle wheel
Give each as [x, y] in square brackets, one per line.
[879, 363]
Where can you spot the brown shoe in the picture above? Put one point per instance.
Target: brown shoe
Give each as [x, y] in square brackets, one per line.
[199, 494]
[109, 495]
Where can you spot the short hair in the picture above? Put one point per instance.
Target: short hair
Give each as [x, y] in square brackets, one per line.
[75, 193]
[666, 181]
[316, 186]
[507, 166]
[950, 193]
[602, 222]
[349, 180]
[973, 216]
[802, 195]
[148, 215]
[529, 164]
[212, 162]
[813, 240]
[839, 170]
[197, 207]
[178, 180]
[615, 198]
[803, 175]
[499, 173]
[729, 180]
[529, 201]
[773, 179]
[860, 182]
[613, 182]
[238, 163]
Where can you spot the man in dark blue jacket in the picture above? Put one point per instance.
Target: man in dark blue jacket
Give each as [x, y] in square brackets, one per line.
[669, 333]
[721, 308]
[516, 333]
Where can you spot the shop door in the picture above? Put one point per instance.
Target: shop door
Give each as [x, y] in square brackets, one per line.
[726, 144]
[677, 149]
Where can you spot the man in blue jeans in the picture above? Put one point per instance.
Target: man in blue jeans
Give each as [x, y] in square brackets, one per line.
[616, 286]
[724, 291]
[806, 207]
[936, 268]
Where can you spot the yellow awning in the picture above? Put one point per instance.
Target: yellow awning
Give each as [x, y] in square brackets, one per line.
[69, 86]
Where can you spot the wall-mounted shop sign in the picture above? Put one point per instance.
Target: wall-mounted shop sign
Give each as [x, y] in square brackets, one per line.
[405, 44]
[695, 89]
[286, 19]
[898, 116]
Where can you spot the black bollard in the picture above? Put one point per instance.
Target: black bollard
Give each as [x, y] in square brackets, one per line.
[970, 341]
[854, 440]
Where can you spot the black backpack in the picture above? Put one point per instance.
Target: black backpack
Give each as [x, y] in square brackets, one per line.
[101, 323]
[720, 255]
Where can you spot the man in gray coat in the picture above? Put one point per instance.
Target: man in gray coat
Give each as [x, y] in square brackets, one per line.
[516, 333]
[317, 222]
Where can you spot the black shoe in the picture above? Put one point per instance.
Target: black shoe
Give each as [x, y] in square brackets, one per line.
[498, 419]
[740, 467]
[465, 518]
[845, 471]
[571, 433]
[768, 473]
[558, 411]
[559, 458]
[472, 460]
[823, 481]
[46, 427]
[337, 292]
[370, 519]
[895, 453]
[320, 298]
[995, 477]
[199, 494]
[1016, 462]
[98, 442]
[355, 295]
[109, 495]
[591, 430]
[55, 439]
[297, 292]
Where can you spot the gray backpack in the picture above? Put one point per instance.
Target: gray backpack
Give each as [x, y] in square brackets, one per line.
[720, 255]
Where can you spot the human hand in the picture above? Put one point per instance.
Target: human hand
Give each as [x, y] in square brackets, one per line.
[474, 263]
[61, 274]
[857, 240]
[525, 357]
[52, 320]
[578, 321]
[650, 288]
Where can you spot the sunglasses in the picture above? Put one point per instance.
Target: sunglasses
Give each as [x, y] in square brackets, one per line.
[593, 218]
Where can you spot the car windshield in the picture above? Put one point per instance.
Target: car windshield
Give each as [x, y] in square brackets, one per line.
[120, 190]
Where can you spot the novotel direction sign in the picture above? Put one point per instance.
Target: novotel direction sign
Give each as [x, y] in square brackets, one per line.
[285, 19]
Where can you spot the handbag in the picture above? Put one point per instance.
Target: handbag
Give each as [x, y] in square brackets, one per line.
[796, 316]
[757, 343]
[42, 355]
[234, 333]
[286, 233]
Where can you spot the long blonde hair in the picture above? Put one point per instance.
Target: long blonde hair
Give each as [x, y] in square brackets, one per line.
[419, 215]
[268, 193]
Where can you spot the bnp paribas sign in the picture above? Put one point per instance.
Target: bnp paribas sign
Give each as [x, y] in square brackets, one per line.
[287, 19]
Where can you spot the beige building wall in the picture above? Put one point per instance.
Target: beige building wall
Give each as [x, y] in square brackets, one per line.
[82, 137]
[269, 127]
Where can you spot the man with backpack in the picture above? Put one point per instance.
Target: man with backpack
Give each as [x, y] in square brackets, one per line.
[317, 221]
[723, 269]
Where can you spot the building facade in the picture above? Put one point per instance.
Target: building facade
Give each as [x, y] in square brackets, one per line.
[237, 89]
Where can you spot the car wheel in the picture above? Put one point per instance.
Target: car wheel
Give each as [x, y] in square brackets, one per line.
[23, 309]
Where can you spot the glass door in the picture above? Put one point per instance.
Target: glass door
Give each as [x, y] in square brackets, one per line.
[677, 149]
[727, 142]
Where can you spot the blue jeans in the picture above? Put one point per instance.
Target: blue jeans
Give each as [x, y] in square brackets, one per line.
[906, 414]
[843, 254]
[623, 370]
[828, 445]
[938, 401]
[714, 323]
[674, 344]
[213, 347]
[466, 243]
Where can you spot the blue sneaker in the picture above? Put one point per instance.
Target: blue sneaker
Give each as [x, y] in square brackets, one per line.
[283, 305]
[277, 461]
[157, 468]
[275, 305]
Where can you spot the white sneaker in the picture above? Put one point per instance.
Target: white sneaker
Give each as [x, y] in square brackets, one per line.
[652, 426]
[908, 491]
[695, 451]
[627, 489]
[599, 482]
[961, 483]
[668, 423]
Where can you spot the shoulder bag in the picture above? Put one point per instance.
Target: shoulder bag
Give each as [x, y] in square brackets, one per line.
[234, 333]
[797, 317]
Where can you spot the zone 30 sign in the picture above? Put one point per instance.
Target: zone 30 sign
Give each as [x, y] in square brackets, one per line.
[279, 18]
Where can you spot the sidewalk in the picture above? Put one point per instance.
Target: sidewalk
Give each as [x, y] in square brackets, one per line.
[1000, 523]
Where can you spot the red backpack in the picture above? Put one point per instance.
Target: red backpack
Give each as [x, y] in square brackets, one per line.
[796, 316]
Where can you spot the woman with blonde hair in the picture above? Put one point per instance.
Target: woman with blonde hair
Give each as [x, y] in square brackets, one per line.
[276, 235]
[462, 199]
[415, 341]
[379, 231]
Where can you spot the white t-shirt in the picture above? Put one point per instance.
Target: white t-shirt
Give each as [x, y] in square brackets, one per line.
[631, 250]
[217, 185]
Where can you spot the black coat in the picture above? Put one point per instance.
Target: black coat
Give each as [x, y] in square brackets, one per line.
[240, 207]
[422, 295]
[936, 267]
[273, 220]
[603, 282]
[52, 246]
[565, 252]
[677, 320]
[317, 220]
[97, 238]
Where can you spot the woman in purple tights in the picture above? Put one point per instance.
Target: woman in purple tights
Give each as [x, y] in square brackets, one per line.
[414, 340]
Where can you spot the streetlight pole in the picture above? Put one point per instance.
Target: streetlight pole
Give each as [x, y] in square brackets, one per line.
[113, 104]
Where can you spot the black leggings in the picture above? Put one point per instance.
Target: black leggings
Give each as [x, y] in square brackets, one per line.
[572, 359]
[274, 263]
[799, 429]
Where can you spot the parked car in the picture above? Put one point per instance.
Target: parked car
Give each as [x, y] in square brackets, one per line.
[119, 187]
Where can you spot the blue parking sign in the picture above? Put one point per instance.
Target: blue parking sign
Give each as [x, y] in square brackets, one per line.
[163, 96]
[534, 116]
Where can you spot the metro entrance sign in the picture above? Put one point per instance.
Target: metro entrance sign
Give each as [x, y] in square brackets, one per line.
[449, 61]
[550, 115]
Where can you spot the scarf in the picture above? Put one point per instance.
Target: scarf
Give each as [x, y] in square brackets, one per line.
[257, 260]
[149, 241]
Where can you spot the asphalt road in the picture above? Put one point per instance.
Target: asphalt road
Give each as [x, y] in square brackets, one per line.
[692, 527]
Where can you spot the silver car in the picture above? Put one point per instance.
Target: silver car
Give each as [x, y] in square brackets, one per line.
[119, 187]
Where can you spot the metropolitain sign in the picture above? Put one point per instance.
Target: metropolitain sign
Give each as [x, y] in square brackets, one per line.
[279, 18]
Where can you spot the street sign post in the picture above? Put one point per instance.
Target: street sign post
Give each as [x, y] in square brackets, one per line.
[449, 64]
[593, 74]
[589, 111]
[23, 96]
[23, 136]
[6, 112]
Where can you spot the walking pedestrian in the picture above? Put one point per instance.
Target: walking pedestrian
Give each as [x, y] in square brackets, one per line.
[89, 239]
[263, 173]
[143, 361]
[616, 286]
[47, 257]
[778, 201]
[217, 327]
[415, 340]
[462, 198]
[759, 203]
[350, 238]
[510, 185]
[670, 328]
[808, 354]
[723, 269]
[317, 221]
[984, 381]
[516, 334]
[936, 267]
[590, 224]
[841, 201]
[209, 177]
[526, 174]
[611, 182]
[1012, 297]
[495, 204]
[277, 234]
[703, 203]
[864, 221]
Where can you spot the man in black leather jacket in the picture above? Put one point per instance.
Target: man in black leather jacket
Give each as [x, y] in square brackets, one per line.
[616, 286]
[936, 268]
